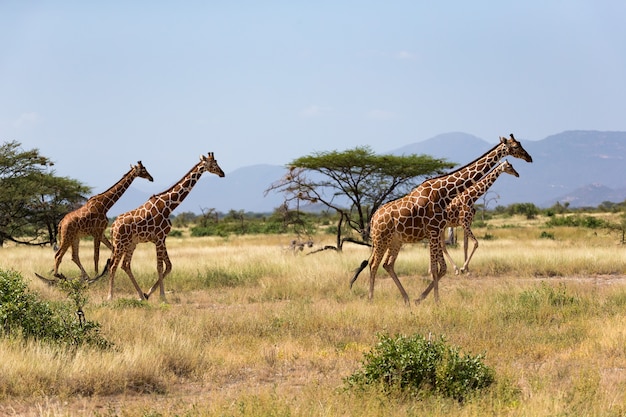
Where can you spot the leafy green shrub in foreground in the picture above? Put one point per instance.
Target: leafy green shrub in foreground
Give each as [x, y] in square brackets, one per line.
[418, 366]
[23, 314]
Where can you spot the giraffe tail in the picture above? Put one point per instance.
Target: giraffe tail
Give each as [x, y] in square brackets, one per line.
[104, 272]
[358, 271]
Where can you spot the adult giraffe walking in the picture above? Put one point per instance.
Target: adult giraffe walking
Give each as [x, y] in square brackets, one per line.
[91, 220]
[150, 223]
[461, 212]
[421, 214]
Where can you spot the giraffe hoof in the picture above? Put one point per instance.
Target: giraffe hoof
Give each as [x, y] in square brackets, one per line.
[145, 296]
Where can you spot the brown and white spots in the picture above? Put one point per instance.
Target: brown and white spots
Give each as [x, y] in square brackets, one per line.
[91, 220]
[150, 223]
[424, 209]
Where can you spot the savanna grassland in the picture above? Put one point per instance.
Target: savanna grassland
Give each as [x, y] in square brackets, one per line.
[250, 328]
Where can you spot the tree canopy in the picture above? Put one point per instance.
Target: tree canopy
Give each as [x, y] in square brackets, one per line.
[32, 199]
[355, 182]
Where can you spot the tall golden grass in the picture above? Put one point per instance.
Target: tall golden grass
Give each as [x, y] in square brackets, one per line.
[251, 328]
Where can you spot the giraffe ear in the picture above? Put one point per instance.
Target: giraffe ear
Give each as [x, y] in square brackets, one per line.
[502, 139]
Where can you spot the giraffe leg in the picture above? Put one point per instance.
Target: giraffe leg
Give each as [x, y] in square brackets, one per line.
[58, 256]
[162, 259]
[113, 264]
[377, 254]
[470, 235]
[107, 242]
[128, 256]
[76, 259]
[447, 255]
[389, 263]
[96, 253]
[436, 259]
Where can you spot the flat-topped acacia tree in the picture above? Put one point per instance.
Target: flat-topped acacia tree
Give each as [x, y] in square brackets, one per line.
[354, 183]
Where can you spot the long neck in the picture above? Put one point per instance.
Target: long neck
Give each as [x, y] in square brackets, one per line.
[474, 192]
[110, 196]
[446, 187]
[178, 192]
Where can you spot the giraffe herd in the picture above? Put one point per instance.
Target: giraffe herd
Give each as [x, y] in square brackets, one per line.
[424, 213]
[147, 223]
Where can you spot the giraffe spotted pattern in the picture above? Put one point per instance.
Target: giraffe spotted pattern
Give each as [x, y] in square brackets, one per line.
[150, 223]
[421, 214]
[461, 212]
[91, 220]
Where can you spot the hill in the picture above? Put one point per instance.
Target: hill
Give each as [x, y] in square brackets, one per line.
[583, 168]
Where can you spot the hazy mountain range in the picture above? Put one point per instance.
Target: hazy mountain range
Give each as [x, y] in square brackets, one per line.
[582, 168]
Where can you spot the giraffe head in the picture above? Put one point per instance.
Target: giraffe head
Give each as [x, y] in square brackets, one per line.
[515, 149]
[140, 171]
[210, 165]
[508, 168]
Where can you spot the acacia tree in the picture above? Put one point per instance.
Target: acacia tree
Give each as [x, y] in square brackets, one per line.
[32, 199]
[354, 183]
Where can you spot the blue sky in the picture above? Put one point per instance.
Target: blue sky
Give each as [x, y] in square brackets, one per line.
[97, 86]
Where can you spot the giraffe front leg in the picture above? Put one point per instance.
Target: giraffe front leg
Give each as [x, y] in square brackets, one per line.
[96, 253]
[439, 269]
[471, 236]
[444, 248]
[162, 260]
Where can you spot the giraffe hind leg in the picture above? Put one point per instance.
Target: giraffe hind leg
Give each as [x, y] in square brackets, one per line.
[58, 256]
[389, 267]
[76, 259]
[128, 256]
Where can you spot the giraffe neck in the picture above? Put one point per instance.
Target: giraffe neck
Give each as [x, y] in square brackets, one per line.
[110, 196]
[444, 188]
[474, 192]
[171, 198]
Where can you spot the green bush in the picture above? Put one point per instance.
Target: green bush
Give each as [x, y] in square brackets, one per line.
[576, 221]
[23, 314]
[419, 366]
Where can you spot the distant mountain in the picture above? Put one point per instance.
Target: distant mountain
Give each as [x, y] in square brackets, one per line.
[591, 195]
[583, 168]
[565, 166]
[454, 147]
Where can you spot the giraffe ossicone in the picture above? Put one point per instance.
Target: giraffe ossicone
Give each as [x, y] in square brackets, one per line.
[91, 220]
[150, 223]
[421, 214]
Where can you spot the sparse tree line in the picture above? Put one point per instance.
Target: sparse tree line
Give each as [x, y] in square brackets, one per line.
[327, 192]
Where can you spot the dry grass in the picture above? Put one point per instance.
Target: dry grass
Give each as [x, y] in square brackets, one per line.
[251, 329]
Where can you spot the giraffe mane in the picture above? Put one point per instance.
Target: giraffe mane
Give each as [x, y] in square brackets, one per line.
[469, 163]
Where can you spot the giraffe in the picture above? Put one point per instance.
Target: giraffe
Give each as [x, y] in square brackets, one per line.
[461, 211]
[91, 220]
[421, 214]
[150, 223]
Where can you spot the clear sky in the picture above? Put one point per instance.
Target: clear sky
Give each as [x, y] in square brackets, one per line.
[98, 85]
